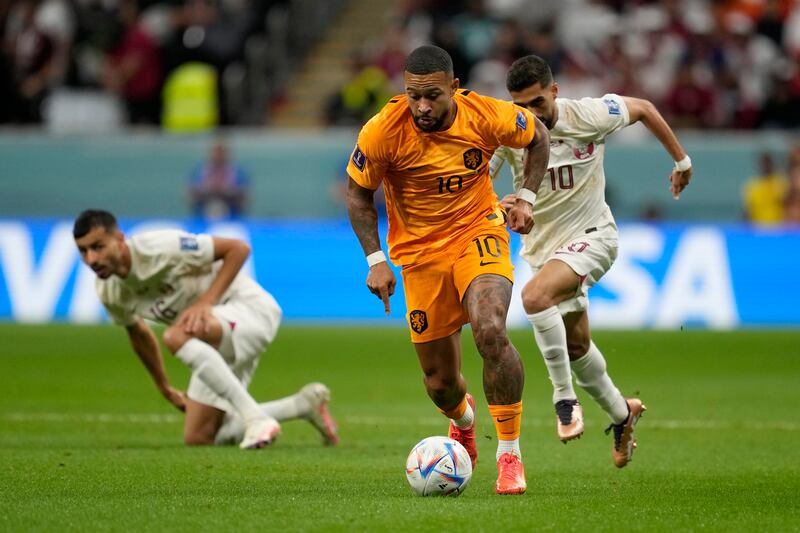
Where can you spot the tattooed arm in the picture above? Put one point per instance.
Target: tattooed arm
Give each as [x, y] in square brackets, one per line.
[537, 155]
[364, 220]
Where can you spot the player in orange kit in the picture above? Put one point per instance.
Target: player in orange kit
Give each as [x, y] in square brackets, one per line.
[431, 148]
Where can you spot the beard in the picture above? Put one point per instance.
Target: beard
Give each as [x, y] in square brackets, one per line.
[434, 125]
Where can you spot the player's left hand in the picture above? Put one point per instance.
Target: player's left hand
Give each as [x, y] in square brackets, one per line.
[196, 319]
[520, 217]
[678, 181]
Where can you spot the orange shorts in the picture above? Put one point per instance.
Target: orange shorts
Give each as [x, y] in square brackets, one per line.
[434, 289]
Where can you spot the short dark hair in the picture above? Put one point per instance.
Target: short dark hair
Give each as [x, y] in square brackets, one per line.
[92, 218]
[528, 71]
[428, 59]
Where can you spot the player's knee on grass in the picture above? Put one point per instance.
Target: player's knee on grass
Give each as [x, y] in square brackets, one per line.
[196, 437]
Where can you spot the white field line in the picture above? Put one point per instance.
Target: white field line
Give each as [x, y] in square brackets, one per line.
[378, 421]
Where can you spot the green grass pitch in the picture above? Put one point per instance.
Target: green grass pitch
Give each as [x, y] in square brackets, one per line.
[86, 442]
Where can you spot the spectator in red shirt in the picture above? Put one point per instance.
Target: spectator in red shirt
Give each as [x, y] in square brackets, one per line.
[133, 68]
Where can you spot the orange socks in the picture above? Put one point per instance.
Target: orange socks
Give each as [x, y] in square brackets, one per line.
[507, 420]
[456, 412]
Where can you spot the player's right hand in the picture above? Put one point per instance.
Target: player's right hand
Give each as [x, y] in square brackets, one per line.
[381, 282]
[175, 397]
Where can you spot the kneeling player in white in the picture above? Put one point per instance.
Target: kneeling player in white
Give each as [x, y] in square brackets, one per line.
[574, 239]
[219, 321]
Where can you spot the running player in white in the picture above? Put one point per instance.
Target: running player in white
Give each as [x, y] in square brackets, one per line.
[218, 323]
[574, 238]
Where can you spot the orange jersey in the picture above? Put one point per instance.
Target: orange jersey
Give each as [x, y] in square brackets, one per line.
[437, 185]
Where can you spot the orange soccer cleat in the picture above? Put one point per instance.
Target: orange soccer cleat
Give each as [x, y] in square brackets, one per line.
[569, 420]
[510, 475]
[466, 436]
[624, 441]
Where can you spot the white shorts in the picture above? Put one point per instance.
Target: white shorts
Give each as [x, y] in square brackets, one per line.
[590, 255]
[250, 320]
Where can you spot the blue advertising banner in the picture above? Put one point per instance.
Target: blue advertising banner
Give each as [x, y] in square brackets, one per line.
[666, 276]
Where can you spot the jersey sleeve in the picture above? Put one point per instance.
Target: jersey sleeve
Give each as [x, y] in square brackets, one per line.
[368, 163]
[114, 302]
[175, 247]
[120, 315]
[514, 158]
[196, 250]
[497, 161]
[510, 124]
[607, 114]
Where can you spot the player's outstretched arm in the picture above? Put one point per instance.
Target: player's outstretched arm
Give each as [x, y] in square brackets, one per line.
[644, 111]
[537, 156]
[196, 319]
[146, 346]
[364, 220]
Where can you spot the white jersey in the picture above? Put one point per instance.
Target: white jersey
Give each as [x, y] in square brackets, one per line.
[571, 198]
[169, 270]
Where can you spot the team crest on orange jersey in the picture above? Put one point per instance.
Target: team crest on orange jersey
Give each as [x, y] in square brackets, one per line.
[473, 158]
[418, 320]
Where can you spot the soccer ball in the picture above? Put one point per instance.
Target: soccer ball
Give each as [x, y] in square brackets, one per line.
[438, 466]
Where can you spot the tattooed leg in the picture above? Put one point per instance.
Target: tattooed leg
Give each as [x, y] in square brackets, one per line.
[486, 302]
[441, 368]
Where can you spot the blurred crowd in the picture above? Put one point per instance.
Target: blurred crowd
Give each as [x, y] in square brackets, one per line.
[133, 50]
[704, 63]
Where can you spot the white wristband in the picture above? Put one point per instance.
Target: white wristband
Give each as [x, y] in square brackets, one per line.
[527, 195]
[684, 164]
[376, 257]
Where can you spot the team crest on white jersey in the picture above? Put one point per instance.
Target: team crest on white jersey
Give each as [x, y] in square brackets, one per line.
[583, 151]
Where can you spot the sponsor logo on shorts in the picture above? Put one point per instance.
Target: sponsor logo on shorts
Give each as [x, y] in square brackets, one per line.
[473, 158]
[418, 321]
[484, 263]
[359, 159]
[189, 244]
[522, 121]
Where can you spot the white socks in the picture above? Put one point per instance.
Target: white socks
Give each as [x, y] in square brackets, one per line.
[210, 367]
[551, 337]
[590, 371]
[508, 446]
[288, 408]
